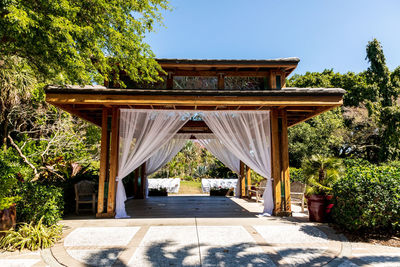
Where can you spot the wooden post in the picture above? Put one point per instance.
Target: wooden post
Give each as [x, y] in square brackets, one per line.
[221, 81]
[136, 183]
[275, 161]
[242, 180]
[112, 185]
[170, 81]
[285, 162]
[248, 179]
[103, 161]
[143, 180]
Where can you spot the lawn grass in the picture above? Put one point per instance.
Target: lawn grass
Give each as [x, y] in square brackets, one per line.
[190, 187]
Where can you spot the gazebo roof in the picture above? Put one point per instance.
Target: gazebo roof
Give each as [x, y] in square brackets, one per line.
[229, 67]
[299, 104]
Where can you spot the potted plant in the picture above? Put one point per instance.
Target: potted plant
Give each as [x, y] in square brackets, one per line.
[321, 173]
[219, 191]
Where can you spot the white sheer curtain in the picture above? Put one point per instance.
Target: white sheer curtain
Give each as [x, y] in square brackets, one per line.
[247, 135]
[163, 155]
[141, 133]
[219, 150]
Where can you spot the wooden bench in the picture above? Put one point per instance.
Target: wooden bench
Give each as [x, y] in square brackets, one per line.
[258, 191]
[297, 190]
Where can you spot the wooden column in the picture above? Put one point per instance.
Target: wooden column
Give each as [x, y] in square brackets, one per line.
[248, 179]
[136, 183]
[143, 177]
[221, 81]
[170, 81]
[242, 180]
[112, 185]
[285, 162]
[275, 161]
[105, 141]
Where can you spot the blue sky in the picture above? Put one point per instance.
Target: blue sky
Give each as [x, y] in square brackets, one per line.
[322, 33]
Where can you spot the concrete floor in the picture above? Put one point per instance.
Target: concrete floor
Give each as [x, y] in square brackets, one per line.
[202, 231]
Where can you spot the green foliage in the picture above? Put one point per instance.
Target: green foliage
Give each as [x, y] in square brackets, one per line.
[82, 41]
[194, 162]
[39, 202]
[368, 198]
[10, 172]
[297, 175]
[321, 173]
[356, 85]
[31, 236]
[370, 119]
[322, 135]
[385, 110]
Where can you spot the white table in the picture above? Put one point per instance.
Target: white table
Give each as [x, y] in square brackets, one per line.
[207, 184]
[171, 184]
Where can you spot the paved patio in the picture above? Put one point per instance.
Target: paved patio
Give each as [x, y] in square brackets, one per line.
[202, 231]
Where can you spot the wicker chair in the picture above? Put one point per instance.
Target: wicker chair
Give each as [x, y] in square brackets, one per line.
[297, 191]
[85, 193]
[258, 191]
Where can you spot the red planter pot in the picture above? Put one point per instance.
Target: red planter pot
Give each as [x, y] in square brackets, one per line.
[319, 208]
[8, 218]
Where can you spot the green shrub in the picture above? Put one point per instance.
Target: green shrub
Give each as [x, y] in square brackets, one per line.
[31, 236]
[368, 198]
[39, 200]
[297, 175]
[10, 172]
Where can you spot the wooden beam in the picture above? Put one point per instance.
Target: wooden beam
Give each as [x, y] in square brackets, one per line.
[285, 162]
[112, 184]
[194, 100]
[318, 111]
[78, 114]
[103, 160]
[210, 73]
[242, 180]
[275, 161]
[169, 65]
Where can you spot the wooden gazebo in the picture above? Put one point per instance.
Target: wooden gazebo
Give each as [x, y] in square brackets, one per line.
[260, 85]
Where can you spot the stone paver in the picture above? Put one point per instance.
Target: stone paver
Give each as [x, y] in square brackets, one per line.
[100, 236]
[188, 240]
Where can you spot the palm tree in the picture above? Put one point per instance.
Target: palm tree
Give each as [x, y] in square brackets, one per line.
[16, 85]
[321, 173]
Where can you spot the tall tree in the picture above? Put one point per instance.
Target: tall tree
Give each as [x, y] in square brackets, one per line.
[81, 41]
[385, 110]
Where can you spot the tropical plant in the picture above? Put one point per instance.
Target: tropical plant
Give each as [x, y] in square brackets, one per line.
[321, 173]
[31, 236]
